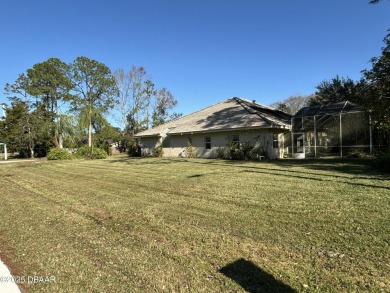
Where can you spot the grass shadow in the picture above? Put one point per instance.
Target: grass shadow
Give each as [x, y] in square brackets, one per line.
[141, 160]
[284, 171]
[340, 168]
[317, 179]
[364, 168]
[253, 279]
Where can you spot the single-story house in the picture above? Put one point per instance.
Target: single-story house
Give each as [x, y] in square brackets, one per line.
[233, 120]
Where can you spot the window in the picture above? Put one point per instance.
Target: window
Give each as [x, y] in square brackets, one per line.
[275, 137]
[235, 140]
[207, 142]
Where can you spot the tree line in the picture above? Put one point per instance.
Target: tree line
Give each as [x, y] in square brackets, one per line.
[55, 104]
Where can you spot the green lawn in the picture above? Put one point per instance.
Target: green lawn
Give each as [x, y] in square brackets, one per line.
[125, 225]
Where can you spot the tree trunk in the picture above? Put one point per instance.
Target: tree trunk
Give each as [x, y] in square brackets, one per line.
[59, 139]
[90, 134]
[90, 125]
[60, 142]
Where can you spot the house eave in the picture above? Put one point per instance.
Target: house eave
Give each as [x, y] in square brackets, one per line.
[148, 135]
[288, 127]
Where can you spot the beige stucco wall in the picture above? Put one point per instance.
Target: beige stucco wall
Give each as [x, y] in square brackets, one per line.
[178, 143]
[149, 144]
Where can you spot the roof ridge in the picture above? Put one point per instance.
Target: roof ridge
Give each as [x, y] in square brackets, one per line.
[255, 103]
[258, 113]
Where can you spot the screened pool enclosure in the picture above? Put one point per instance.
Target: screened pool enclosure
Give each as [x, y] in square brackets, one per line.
[330, 130]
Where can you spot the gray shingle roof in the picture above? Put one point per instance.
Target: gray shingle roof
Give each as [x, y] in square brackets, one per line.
[231, 114]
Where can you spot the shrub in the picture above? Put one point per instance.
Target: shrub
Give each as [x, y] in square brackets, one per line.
[250, 150]
[190, 149]
[91, 153]
[382, 161]
[98, 153]
[83, 152]
[230, 152]
[237, 154]
[158, 151]
[134, 150]
[227, 153]
[58, 154]
[358, 153]
[219, 152]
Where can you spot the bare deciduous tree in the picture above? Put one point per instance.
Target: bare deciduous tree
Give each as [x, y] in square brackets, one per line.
[292, 104]
[135, 92]
[140, 105]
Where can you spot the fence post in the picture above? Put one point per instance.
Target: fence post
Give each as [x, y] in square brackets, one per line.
[341, 138]
[315, 137]
[370, 122]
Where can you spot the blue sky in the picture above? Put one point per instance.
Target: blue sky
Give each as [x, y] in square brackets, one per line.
[202, 51]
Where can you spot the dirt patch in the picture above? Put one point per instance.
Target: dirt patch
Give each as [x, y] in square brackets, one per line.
[5, 252]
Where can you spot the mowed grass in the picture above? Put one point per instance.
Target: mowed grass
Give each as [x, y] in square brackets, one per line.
[144, 225]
